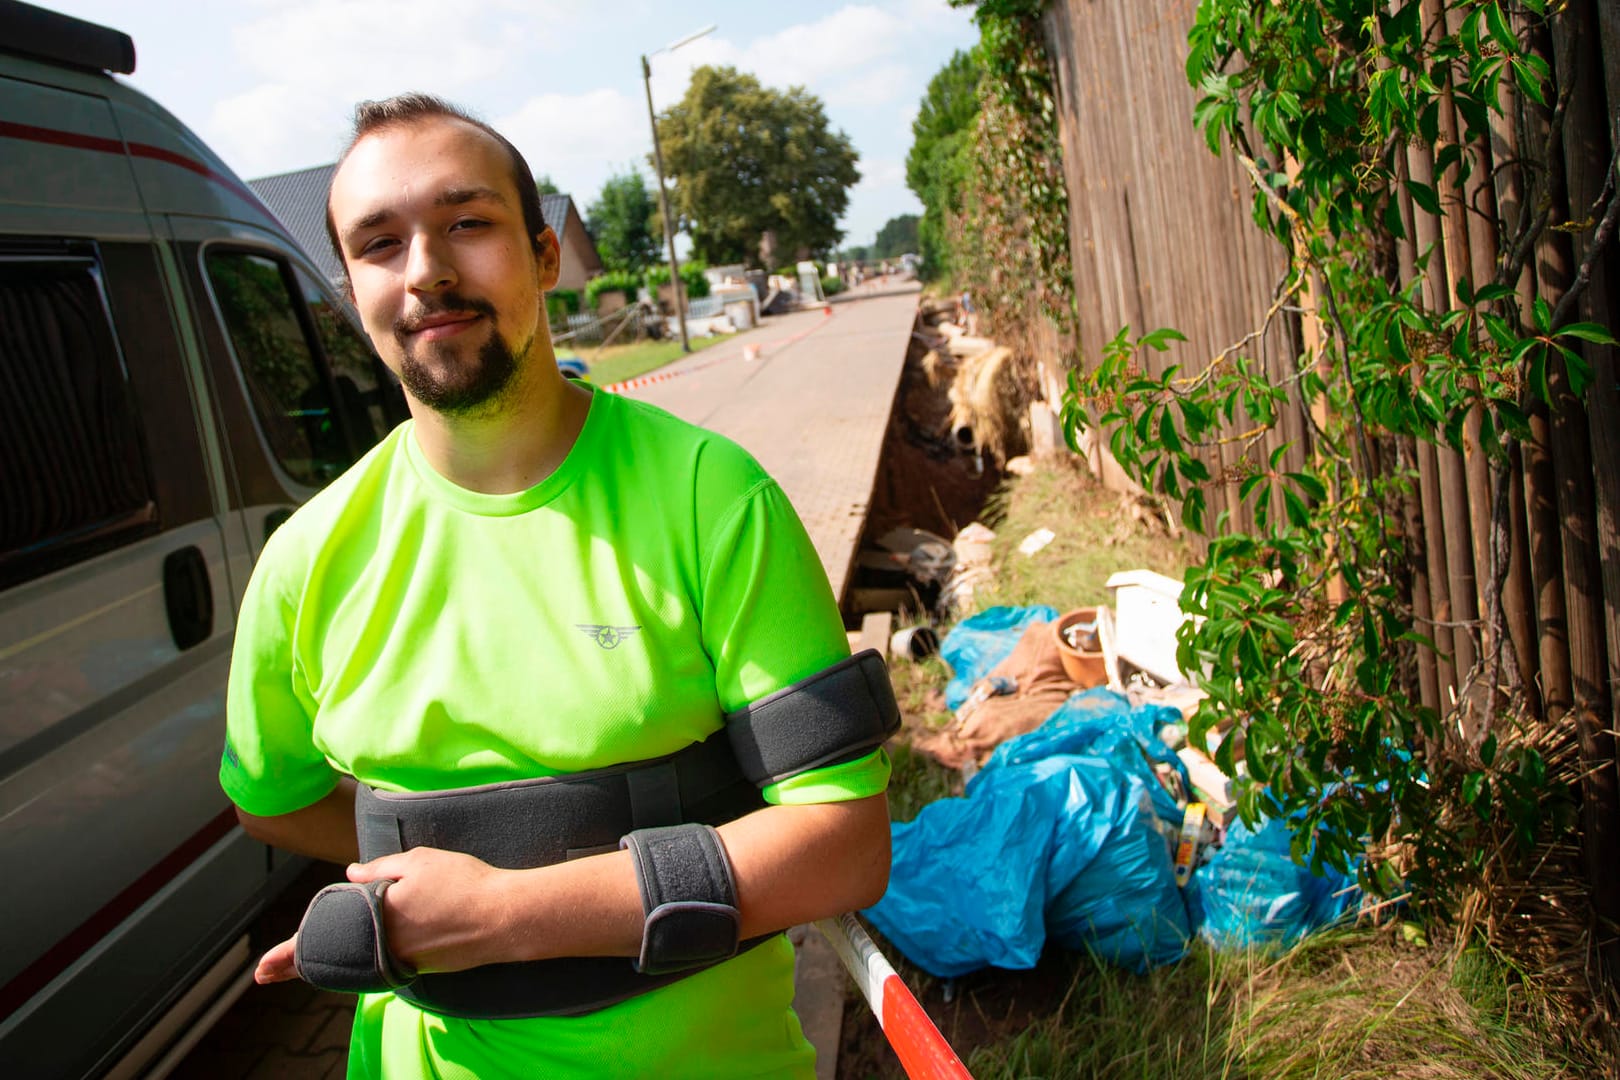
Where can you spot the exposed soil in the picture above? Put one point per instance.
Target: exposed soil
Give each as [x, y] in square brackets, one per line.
[985, 1008]
[925, 479]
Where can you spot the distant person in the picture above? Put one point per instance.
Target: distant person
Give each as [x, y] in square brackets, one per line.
[970, 314]
[528, 581]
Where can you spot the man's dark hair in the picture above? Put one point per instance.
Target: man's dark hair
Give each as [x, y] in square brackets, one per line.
[412, 108]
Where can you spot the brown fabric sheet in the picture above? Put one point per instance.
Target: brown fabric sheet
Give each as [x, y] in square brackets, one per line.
[1042, 687]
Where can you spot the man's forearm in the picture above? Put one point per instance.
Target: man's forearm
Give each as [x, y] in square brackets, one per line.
[448, 911]
[792, 864]
[324, 830]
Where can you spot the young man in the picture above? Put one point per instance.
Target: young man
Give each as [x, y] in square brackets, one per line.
[530, 579]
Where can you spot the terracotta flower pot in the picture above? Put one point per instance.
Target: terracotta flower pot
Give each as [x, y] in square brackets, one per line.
[1085, 665]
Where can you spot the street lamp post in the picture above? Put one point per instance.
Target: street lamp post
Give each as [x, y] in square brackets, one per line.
[663, 194]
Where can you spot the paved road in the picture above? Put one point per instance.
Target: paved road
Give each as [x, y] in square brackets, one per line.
[812, 408]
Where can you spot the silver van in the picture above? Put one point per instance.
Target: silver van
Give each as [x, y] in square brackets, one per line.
[175, 377]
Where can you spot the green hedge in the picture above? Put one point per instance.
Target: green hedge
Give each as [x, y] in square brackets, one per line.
[832, 284]
[612, 281]
[561, 303]
[697, 285]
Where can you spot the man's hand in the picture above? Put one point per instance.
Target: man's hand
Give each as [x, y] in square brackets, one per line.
[449, 912]
[445, 912]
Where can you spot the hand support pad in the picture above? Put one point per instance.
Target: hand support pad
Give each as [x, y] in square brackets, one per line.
[342, 944]
[688, 896]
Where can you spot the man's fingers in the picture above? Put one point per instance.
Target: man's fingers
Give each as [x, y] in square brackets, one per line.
[386, 867]
[277, 964]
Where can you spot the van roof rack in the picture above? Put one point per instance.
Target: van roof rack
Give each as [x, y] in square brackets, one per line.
[62, 39]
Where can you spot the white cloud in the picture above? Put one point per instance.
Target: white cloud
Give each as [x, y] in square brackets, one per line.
[829, 56]
[873, 87]
[275, 127]
[882, 174]
[849, 39]
[579, 140]
[352, 46]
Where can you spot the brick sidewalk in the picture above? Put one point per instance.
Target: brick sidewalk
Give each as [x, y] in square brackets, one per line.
[289, 1031]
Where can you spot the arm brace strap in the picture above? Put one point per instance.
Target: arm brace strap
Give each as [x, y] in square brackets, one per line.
[688, 897]
[342, 944]
[834, 716]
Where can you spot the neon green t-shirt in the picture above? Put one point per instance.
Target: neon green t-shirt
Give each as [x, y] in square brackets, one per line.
[419, 636]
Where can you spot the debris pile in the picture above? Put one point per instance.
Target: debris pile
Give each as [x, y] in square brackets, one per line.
[1086, 819]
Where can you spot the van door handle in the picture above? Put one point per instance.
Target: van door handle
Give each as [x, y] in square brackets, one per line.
[188, 596]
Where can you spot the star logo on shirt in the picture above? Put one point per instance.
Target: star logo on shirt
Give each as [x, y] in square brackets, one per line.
[609, 637]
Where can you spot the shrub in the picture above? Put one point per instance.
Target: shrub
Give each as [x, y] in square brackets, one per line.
[561, 303]
[613, 281]
[832, 285]
[697, 285]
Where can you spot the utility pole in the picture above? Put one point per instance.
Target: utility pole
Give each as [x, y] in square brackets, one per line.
[663, 193]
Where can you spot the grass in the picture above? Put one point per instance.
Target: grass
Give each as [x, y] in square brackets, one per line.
[1095, 539]
[1350, 1004]
[1355, 1004]
[617, 363]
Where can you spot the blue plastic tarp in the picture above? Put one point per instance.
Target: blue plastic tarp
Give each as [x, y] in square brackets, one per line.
[980, 642]
[1066, 835]
[1056, 837]
[1253, 893]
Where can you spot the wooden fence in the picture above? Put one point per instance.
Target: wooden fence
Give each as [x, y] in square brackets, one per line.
[1161, 235]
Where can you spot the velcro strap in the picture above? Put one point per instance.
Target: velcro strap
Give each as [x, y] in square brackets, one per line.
[688, 896]
[342, 944]
[834, 716]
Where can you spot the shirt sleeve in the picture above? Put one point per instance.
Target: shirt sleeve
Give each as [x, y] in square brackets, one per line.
[769, 620]
[271, 764]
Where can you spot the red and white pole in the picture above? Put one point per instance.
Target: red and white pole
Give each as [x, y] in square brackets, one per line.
[922, 1050]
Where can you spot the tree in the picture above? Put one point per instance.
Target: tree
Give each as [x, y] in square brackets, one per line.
[898, 236]
[546, 186]
[621, 221]
[751, 162]
[941, 159]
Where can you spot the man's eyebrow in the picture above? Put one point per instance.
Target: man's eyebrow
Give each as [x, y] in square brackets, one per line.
[457, 196]
[448, 197]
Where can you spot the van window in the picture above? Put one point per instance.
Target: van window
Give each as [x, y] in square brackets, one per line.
[75, 480]
[370, 395]
[289, 391]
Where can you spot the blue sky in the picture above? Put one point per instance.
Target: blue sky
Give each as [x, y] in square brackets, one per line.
[270, 83]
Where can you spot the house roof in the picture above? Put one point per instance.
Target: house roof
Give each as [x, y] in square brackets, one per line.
[554, 208]
[299, 199]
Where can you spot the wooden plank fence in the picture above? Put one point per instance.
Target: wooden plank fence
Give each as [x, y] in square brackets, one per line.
[1161, 235]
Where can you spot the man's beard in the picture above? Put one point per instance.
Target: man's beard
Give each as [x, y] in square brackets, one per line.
[459, 386]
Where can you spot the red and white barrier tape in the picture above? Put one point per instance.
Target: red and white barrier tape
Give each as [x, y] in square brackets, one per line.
[922, 1050]
[663, 376]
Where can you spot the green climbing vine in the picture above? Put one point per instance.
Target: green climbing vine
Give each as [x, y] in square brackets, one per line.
[1307, 640]
[1004, 216]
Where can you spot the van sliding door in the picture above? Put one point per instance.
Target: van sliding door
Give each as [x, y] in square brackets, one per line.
[121, 865]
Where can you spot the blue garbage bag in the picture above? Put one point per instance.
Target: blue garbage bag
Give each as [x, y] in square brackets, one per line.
[1102, 723]
[1253, 893]
[980, 642]
[1052, 844]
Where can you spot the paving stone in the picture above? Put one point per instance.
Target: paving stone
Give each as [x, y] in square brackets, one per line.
[213, 1061]
[334, 1034]
[282, 1064]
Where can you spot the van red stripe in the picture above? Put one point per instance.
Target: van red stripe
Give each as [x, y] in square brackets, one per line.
[55, 960]
[79, 141]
